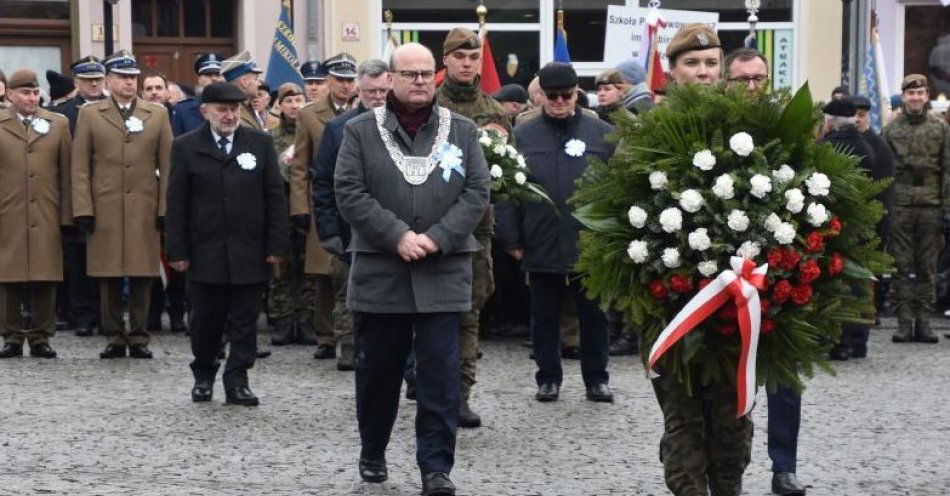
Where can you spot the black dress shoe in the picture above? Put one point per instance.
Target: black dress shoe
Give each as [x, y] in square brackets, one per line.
[623, 346]
[241, 396]
[113, 351]
[262, 354]
[437, 484]
[84, 331]
[345, 362]
[467, 418]
[547, 392]
[178, 327]
[62, 325]
[571, 353]
[11, 350]
[786, 484]
[373, 469]
[411, 391]
[840, 353]
[324, 352]
[140, 351]
[202, 392]
[600, 393]
[42, 350]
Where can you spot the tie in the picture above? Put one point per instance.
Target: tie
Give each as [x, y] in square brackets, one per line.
[26, 123]
[124, 111]
[223, 144]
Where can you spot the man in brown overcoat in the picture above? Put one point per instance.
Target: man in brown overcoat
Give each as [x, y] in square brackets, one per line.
[120, 172]
[34, 183]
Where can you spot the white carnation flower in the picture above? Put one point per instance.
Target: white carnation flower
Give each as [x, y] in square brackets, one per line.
[496, 171]
[671, 220]
[796, 200]
[749, 249]
[724, 187]
[520, 160]
[520, 178]
[738, 220]
[760, 185]
[708, 268]
[817, 214]
[704, 159]
[637, 216]
[784, 233]
[671, 258]
[742, 144]
[691, 200]
[511, 150]
[658, 180]
[484, 140]
[784, 174]
[771, 222]
[699, 240]
[818, 184]
[500, 149]
[637, 251]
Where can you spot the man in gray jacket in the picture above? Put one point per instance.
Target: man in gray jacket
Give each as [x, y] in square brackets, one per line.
[412, 183]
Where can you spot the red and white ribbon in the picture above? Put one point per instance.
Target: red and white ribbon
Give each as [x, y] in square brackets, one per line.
[742, 285]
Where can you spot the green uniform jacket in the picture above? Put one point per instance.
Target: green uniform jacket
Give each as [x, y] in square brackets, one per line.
[921, 145]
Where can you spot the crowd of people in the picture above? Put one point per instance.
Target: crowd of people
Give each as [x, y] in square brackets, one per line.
[355, 212]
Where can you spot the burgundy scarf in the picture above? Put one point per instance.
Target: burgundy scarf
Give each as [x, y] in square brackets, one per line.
[410, 120]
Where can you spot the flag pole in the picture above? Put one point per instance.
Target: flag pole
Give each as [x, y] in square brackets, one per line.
[560, 18]
[388, 15]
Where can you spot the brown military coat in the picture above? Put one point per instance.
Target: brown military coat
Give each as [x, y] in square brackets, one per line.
[248, 119]
[120, 178]
[34, 186]
[310, 123]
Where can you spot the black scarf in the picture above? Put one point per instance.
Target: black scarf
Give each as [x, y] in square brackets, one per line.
[410, 120]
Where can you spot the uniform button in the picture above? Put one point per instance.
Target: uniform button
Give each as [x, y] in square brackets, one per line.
[128, 191]
[32, 200]
[128, 166]
[33, 225]
[32, 174]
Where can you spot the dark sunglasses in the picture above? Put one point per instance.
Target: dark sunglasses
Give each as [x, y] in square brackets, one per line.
[554, 95]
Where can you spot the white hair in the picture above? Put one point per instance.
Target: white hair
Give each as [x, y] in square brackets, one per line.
[838, 122]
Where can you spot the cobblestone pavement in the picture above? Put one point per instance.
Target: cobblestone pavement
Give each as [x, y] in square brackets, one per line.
[79, 425]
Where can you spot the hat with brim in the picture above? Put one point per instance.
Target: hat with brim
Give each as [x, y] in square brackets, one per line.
[209, 63]
[313, 71]
[341, 65]
[557, 75]
[122, 62]
[222, 93]
[861, 102]
[842, 107]
[88, 68]
[237, 66]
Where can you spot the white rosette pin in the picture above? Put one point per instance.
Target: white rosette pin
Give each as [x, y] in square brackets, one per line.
[247, 161]
[41, 126]
[575, 147]
[134, 125]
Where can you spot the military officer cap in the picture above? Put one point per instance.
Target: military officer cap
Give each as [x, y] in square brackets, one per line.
[861, 102]
[313, 70]
[59, 85]
[222, 93]
[256, 69]
[557, 75]
[23, 78]
[842, 107]
[460, 38]
[122, 62]
[695, 36]
[88, 68]
[208, 63]
[341, 65]
[511, 93]
[237, 66]
[914, 81]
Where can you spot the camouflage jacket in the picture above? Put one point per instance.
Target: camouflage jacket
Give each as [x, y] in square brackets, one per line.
[921, 145]
[283, 135]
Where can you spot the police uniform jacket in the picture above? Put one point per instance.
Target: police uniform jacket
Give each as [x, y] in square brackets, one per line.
[381, 206]
[70, 108]
[119, 177]
[550, 238]
[187, 116]
[34, 186]
[225, 218]
[326, 215]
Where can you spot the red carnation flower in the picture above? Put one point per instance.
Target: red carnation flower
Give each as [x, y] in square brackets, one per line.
[790, 259]
[681, 283]
[808, 271]
[728, 312]
[775, 257]
[782, 291]
[658, 290]
[704, 282]
[727, 329]
[835, 264]
[834, 226]
[815, 242]
[767, 326]
[801, 294]
[765, 306]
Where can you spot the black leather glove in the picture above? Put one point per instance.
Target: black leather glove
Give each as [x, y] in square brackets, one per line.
[301, 222]
[85, 223]
[160, 224]
[333, 245]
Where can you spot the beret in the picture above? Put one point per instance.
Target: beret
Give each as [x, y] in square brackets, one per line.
[610, 76]
[288, 89]
[914, 81]
[460, 38]
[557, 75]
[23, 78]
[695, 36]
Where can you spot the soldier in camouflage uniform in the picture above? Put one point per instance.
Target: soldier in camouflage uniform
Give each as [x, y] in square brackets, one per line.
[921, 145]
[292, 292]
[461, 93]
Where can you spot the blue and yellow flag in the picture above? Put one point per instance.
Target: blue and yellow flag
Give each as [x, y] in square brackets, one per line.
[283, 64]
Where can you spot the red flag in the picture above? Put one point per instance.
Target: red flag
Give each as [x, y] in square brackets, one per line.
[655, 76]
[490, 81]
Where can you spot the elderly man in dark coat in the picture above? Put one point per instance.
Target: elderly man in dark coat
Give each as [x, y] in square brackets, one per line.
[412, 183]
[226, 225]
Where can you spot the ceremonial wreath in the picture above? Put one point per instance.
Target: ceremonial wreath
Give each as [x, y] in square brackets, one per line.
[730, 238]
[509, 173]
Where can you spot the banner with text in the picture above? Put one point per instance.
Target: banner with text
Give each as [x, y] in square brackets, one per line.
[626, 27]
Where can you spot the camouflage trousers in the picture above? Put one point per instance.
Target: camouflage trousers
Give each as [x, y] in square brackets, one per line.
[705, 449]
[292, 295]
[916, 238]
[342, 318]
[483, 285]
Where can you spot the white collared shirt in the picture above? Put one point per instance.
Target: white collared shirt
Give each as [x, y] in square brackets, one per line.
[217, 138]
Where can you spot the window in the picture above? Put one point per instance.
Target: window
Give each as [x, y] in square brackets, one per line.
[461, 10]
[927, 46]
[35, 9]
[182, 18]
[734, 10]
[585, 23]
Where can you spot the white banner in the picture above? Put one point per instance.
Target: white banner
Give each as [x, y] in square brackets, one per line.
[626, 27]
[782, 59]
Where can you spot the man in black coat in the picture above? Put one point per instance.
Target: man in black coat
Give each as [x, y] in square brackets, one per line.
[226, 225]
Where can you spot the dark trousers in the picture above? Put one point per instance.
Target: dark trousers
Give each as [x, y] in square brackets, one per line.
[382, 346]
[216, 308]
[113, 305]
[785, 415]
[173, 296]
[82, 291]
[41, 297]
[547, 291]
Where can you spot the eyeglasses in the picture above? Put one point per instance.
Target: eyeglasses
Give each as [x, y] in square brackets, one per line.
[554, 95]
[749, 79]
[412, 75]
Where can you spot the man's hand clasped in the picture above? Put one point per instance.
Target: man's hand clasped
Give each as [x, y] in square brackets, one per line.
[413, 247]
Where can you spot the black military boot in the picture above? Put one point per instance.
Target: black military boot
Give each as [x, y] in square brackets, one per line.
[623, 346]
[306, 334]
[467, 418]
[905, 327]
[283, 332]
[922, 331]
